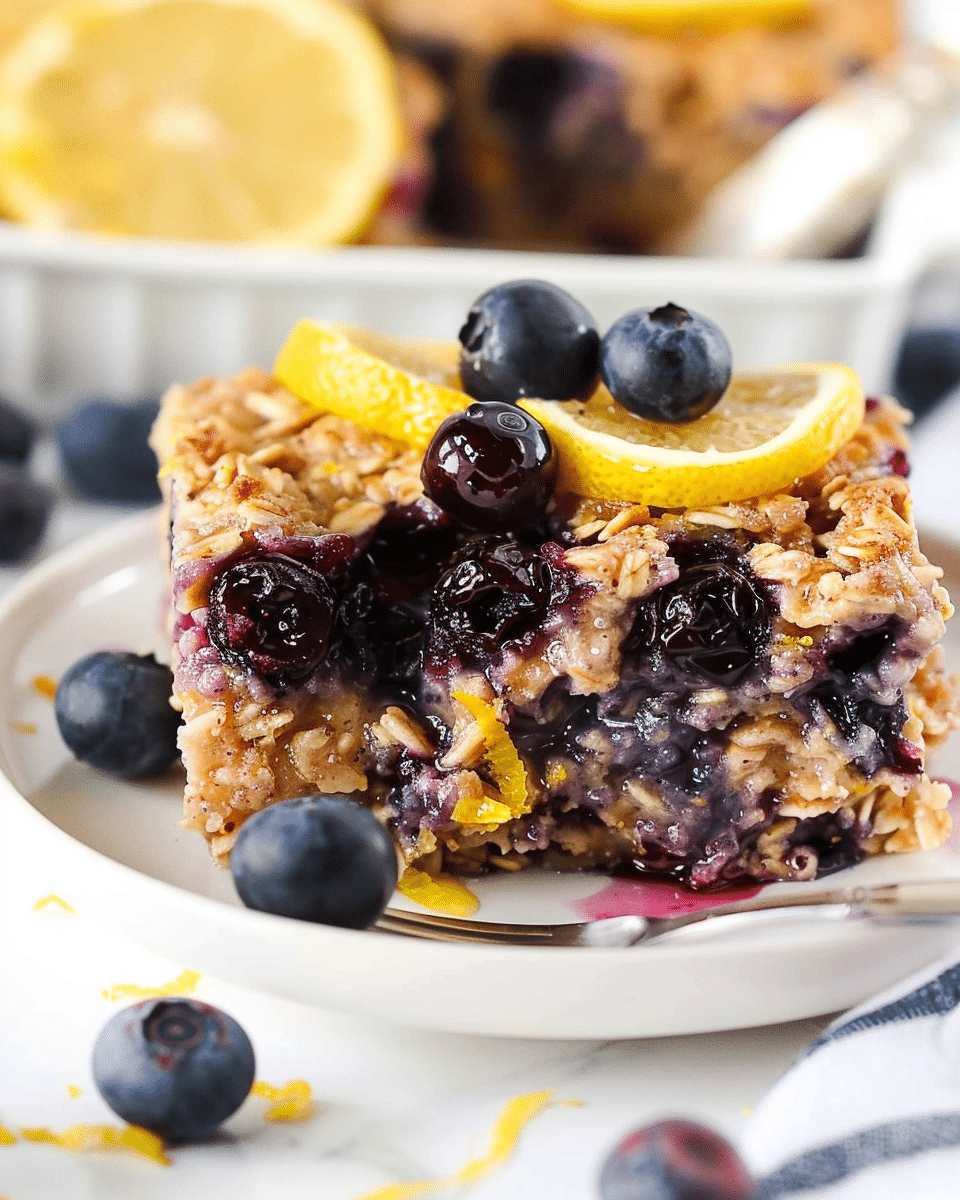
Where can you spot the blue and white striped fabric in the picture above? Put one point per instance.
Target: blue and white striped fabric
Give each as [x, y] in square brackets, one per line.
[871, 1110]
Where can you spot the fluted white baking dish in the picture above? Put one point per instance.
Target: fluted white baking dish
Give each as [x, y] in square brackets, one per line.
[126, 317]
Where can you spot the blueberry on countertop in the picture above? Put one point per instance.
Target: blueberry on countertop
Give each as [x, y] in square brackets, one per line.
[529, 338]
[113, 711]
[104, 449]
[320, 858]
[928, 368]
[18, 432]
[666, 364]
[491, 467]
[176, 1067]
[675, 1160]
[24, 512]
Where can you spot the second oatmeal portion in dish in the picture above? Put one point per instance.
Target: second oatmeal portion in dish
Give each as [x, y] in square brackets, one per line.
[743, 689]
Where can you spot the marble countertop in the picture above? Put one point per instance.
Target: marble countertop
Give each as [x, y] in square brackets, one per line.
[387, 1104]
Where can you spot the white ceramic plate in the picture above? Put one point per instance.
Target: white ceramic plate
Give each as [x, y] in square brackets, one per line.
[120, 857]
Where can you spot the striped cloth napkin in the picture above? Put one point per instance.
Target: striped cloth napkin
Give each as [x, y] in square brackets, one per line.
[871, 1110]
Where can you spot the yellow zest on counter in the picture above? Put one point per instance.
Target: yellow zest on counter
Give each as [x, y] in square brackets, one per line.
[46, 686]
[7, 1138]
[517, 1113]
[441, 893]
[292, 1101]
[55, 902]
[506, 769]
[101, 1137]
[184, 985]
[73, 1091]
[24, 727]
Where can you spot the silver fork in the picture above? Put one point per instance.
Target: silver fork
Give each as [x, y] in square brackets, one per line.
[924, 900]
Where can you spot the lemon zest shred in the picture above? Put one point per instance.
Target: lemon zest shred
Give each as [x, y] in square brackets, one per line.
[514, 1117]
[291, 1101]
[7, 1136]
[484, 811]
[101, 1137]
[52, 900]
[442, 893]
[505, 765]
[185, 984]
[73, 1091]
[45, 685]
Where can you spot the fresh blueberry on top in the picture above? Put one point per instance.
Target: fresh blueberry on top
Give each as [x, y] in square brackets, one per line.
[491, 467]
[675, 1160]
[113, 711]
[928, 367]
[176, 1067]
[272, 615]
[319, 858]
[18, 432]
[24, 512]
[105, 453]
[666, 364]
[529, 338]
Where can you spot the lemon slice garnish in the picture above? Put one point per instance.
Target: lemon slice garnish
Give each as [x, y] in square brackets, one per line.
[401, 389]
[701, 16]
[770, 429]
[268, 121]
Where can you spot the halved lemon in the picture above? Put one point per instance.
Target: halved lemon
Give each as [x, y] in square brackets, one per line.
[701, 16]
[403, 389]
[770, 428]
[268, 121]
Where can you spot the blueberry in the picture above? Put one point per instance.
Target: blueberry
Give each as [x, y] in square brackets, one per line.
[666, 364]
[529, 338]
[24, 512]
[272, 615]
[176, 1067]
[928, 367]
[675, 1160]
[491, 467]
[18, 432]
[105, 453]
[113, 711]
[320, 858]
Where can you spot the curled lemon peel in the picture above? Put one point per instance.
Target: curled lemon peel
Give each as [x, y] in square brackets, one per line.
[101, 1137]
[506, 768]
[291, 1101]
[442, 893]
[185, 984]
[515, 1116]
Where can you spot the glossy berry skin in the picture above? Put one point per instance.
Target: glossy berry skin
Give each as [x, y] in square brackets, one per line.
[666, 364]
[174, 1066]
[492, 468]
[104, 450]
[113, 711]
[24, 514]
[928, 368]
[529, 338]
[675, 1160]
[18, 432]
[319, 858]
[272, 615]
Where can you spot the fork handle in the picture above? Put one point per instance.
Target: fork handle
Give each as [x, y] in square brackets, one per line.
[917, 898]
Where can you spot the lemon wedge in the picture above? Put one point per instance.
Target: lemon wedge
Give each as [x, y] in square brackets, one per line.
[700, 16]
[263, 121]
[770, 428]
[403, 389]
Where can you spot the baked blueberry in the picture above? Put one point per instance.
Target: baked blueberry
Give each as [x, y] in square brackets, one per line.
[18, 432]
[24, 513]
[319, 858]
[273, 615]
[928, 367]
[113, 711]
[176, 1067]
[491, 467]
[104, 449]
[666, 364]
[529, 338]
[675, 1160]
